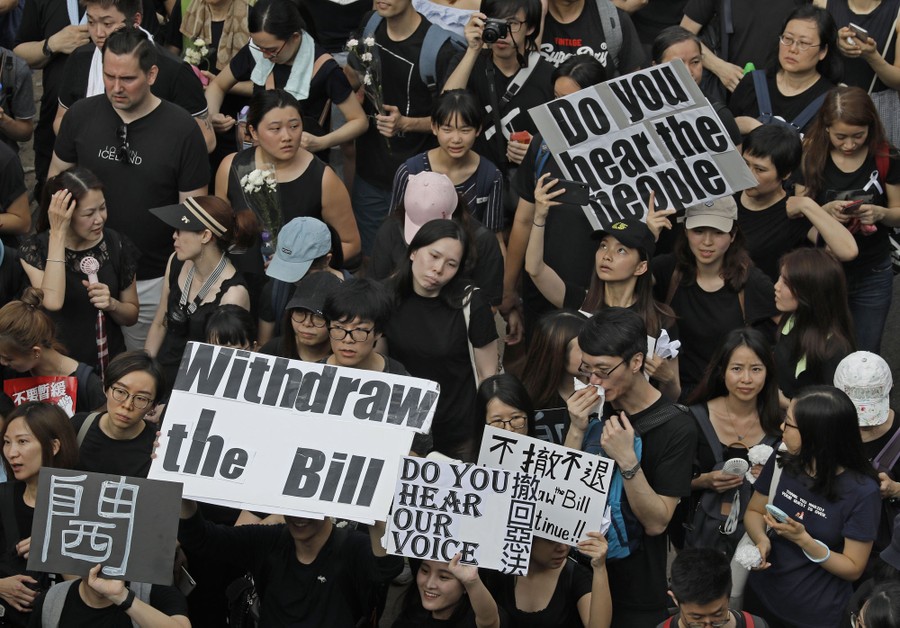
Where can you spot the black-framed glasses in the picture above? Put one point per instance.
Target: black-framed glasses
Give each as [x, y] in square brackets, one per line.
[788, 42]
[715, 623]
[514, 25]
[599, 373]
[141, 402]
[268, 52]
[310, 318]
[517, 422]
[786, 424]
[124, 151]
[360, 334]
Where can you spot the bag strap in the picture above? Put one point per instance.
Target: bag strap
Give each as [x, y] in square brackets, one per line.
[659, 417]
[763, 100]
[885, 51]
[54, 601]
[748, 620]
[727, 27]
[612, 31]
[467, 315]
[434, 40]
[776, 479]
[701, 414]
[674, 282]
[520, 78]
[83, 430]
[141, 592]
[540, 160]
[808, 112]
[495, 113]
[890, 453]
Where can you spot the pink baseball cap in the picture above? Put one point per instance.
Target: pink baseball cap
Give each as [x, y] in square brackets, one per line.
[429, 196]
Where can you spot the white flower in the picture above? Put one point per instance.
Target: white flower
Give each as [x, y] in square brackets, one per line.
[352, 43]
[366, 57]
[192, 56]
[199, 43]
[369, 41]
[367, 79]
[204, 51]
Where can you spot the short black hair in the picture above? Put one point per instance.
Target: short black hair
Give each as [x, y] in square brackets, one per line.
[779, 143]
[231, 325]
[583, 69]
[133, 361]
[501, 9]
[667, 38]
[132, 41]
[883, 606]
[457, 102]
[614, 331]
[700, 575]
[365, 299]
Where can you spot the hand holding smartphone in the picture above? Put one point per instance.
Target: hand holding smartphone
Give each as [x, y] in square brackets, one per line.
[852, 207]
[776, 513]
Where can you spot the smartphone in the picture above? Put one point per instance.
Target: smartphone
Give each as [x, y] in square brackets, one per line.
[777, 513]
[859, 32]
[577, 193]
[186, 583]
[852, 207]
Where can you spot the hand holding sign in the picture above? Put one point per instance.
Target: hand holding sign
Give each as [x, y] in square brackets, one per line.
[112, 590]
[595, 546]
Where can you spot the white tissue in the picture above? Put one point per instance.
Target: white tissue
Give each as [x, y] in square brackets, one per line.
[596, 409]
[758, 454]
[665, 347]
[748, 556]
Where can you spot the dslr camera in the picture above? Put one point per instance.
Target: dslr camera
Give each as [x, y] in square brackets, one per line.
[494, 29]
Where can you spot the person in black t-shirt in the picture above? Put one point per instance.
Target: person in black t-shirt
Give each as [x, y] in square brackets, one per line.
[95, 601]
[174, 82]
[15, 213]
[774, 224]
[403, 129]
[510, 73]
[575, 27]
[808, 66]
[613, 345]
[146, 151]
[119, 440]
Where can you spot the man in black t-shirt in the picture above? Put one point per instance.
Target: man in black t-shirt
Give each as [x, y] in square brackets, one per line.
[403, 129]
[613, 345]
[573, 27]
[148, 153]
[513, 70]
[175, 81]
[96, 601]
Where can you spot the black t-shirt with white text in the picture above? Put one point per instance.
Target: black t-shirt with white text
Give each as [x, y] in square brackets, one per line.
[585, 35]
[167, 156]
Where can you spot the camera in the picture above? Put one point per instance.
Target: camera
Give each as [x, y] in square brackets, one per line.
[494, 29]
[177, 321]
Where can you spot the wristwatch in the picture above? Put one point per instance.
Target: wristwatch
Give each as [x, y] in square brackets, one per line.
[129, 600]
[46, 48]
[627, 474]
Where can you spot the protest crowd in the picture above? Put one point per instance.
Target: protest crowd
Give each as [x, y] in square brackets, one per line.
[463, 313]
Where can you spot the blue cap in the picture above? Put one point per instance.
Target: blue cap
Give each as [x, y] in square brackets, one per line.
[300, 242]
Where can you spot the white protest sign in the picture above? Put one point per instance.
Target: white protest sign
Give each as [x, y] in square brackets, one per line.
[649, 131]
[573, 485]
[444, 508]
[252, 431]
[311, 388]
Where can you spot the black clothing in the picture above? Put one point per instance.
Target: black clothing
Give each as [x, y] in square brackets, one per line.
[743, 100]
[769, 234]
[101, 454]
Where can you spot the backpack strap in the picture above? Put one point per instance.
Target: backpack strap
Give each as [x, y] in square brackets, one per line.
[612, 30]
[142, 592]
[435, 37]
[467, 315]
[371, 25]
[763, 100]
[727, 27]
[54, 601]
[808, 112]
[83, 430]
[701, 415]
[659, 417]
[748, 620]
[889, 454]
[520, 78]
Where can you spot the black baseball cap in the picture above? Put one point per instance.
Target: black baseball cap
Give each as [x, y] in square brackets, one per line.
[633, 233]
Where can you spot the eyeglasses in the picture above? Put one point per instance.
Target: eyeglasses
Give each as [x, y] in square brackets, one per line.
[856, 620]
[124, 154]
[140, 402]
[360, 334]
[788, 42]
[598, 373]
[309, 318]
[718, 623]
[268, 52]
[786, 424]
[514, 25]
[517, 422]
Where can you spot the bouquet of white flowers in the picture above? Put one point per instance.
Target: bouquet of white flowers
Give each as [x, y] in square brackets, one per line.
[261, 192]
[365, 60]
[197, 53]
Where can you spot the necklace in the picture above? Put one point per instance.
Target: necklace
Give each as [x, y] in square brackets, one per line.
[734, 423]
